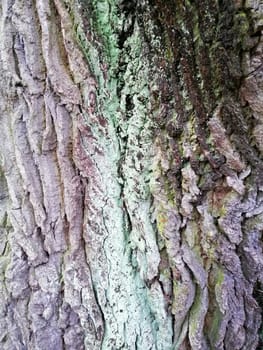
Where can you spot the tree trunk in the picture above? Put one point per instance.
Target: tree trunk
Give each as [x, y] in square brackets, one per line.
[131, 204]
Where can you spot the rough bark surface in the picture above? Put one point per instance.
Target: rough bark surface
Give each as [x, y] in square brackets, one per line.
[131, 204]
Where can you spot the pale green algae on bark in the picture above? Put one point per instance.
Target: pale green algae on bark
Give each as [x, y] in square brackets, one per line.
[133, 313]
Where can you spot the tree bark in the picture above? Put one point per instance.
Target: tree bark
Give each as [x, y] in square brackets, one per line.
[131, 174]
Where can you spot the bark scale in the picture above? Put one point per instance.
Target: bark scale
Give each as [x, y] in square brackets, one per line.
[131, 192]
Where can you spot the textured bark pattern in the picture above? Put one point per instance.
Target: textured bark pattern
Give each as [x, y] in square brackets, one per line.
[130, 187]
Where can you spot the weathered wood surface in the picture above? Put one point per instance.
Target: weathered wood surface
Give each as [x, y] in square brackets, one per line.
[131, 174]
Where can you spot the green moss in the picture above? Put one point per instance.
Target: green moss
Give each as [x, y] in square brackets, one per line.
[241, 26]
[222, 211]
[215, 325]
[161, 221]
[5, 221]
[216, 315]
[169, 54]
[220, 277]
[169, 191]
[196, 310]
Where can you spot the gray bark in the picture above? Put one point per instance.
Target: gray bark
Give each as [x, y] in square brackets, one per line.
[131, 197]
